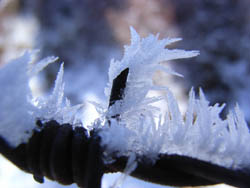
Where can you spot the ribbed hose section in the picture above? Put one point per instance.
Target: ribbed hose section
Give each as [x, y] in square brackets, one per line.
[60, 153]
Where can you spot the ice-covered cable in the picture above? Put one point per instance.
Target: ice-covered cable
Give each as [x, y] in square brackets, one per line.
[142, 129]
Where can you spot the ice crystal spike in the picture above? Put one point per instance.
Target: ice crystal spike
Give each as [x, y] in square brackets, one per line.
[39, 66]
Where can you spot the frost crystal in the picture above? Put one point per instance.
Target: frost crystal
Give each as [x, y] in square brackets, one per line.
[19, 110]
[142, 128]
[54, 107]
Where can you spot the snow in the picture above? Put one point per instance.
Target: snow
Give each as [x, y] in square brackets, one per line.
[19, 109]
[143, 129]
[16, 122]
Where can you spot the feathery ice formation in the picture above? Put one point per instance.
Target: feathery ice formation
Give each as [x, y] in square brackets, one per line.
[141, 128]
[20, 109]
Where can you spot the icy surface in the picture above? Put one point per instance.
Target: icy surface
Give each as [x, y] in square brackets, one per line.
[143, 129]
[19, 110]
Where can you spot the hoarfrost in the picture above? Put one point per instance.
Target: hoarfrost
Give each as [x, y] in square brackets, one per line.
[204, 135]
[56, 106]
[130, 167]
[142, 128]
[19, 109]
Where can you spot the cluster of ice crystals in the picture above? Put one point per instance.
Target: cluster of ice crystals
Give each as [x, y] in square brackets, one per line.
[142, 129]
[202, 134]
[55, 106]
[19, 110]
[137, 114]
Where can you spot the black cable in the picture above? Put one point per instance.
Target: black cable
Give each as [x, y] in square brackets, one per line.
[68, 155]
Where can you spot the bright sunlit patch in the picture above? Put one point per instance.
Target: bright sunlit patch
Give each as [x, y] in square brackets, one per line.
[90, 114]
